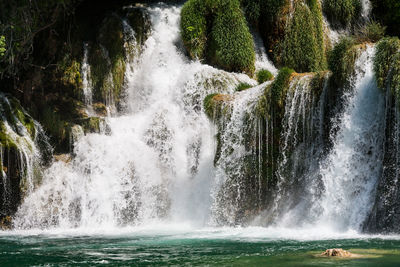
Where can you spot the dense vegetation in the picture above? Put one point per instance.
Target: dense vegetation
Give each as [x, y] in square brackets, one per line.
[217, 31]
[303, 46]
[387, 64]
[388, 13]
[342, 12]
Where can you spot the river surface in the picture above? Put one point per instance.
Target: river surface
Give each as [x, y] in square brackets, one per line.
[181, 245]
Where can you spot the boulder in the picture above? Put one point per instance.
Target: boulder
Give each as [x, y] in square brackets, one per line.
[337, 252]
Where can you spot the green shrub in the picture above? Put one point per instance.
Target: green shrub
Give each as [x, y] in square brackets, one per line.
[264, 75]
[252, 10]
[217, 31]
[387, 51]
[242, 87]
[274, 95]
[280, 86]
[342, 12]
[341, 60]
[303, 46]
[194, 27]
[370, 32]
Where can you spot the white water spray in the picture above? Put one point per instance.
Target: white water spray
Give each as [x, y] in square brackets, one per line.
[352, 169]
[157, 163]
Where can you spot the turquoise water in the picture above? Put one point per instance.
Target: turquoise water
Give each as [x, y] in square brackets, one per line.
[213, 247]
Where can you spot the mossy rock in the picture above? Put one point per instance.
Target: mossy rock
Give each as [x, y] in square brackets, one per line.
[100, 109]
[386, 57]
[107, 60]
[264, 76]
[242, 87]
[70, 71]
[111, 36]
[303, 48]
[341, 13]
[341, 60]
[217, 105]
[16, 116]
[279, 87]
[139, 20]
[92, 124]
[217, 31]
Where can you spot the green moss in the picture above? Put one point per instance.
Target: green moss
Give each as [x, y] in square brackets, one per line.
[264, 75]
[2, 45]
[279, 87]
[5, 140]
[91, 125]
[342, 12]
[107, 60]
[71, 74]
[209, 108]
[387, 58]
[341, 60]
[118, 75]
[194, 27]
[99, 71]
[303, 46]
[15, 114]
[274, 94]
[217, 31]
[242, 86]
[54, 125]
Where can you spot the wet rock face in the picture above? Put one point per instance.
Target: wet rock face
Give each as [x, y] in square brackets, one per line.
[20, 139]
[10, 191]
[385, 215]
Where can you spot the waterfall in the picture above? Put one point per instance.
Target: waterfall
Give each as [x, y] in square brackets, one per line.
[334, 189]
[86, 80]
[156, 162]
[23, 148]
[301, 149]
[164, 161]
[352, 169]
[262, 60]
[238, 172]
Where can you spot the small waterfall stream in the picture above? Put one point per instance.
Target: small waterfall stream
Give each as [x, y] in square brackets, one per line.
[86, 81]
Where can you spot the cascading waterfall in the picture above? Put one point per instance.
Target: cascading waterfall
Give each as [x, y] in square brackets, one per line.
[352, 169]
[238, 173]
[301, 149]
[157, 162]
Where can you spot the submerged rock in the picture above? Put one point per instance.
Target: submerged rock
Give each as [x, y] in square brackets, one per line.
[337, 252]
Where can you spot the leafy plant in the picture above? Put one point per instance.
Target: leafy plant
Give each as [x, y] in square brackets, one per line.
[217, 31]
[264, 75]
[2, 45]
[371, 32]
[303, 46]
[242, 87]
